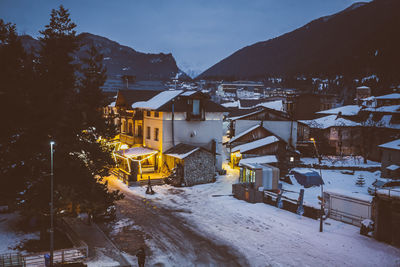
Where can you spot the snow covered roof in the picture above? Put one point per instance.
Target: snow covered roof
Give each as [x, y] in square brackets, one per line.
[243, 133]
[112, 104]
[136, 152]
[389, 96]
[158, 100]
[231, 104]
[277, 105]
[330, 121]
[385, 109]
[393, 167]
[256, 144]
[181, 151]
[392, 145]
[245, 115]
[363, 87]
[349, 110]
[259, 160]
[189, 93]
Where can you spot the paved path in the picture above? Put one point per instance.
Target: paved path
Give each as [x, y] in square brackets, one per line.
[95, 238]
[171, 236]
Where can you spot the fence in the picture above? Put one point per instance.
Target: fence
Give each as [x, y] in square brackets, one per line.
[60, 256]
[11, 259]
[121, 175]
[252, 195]
[348, 209]
[79, 252]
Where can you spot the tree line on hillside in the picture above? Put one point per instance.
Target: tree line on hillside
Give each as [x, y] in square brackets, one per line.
[53, 96]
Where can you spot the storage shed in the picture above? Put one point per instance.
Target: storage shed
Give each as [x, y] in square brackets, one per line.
[195, 164]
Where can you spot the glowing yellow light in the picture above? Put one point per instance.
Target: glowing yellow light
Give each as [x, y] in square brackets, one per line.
[312, 139]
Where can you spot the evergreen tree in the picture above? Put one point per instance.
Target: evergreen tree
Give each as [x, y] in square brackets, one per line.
[16, 77]
[67, 110]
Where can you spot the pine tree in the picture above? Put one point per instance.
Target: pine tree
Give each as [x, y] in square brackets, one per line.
[67, 110]
[360, 180]
[16, 77]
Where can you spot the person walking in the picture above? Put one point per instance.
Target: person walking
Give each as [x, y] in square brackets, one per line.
[141, 257]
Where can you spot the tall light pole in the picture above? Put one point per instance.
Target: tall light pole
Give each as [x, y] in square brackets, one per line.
[322, 188]
[51, 206]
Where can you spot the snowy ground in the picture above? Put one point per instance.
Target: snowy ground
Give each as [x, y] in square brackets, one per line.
[348, 161]
[337, 181]
[10, 237]
[269, 236]
[101, 260]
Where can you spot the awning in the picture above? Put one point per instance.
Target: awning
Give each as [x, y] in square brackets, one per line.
[307, 178]
[136, 152]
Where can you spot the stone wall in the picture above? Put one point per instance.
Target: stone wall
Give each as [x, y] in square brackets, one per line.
[199, 168]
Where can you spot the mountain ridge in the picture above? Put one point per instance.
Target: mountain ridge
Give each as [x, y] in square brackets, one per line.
[345, 42]
[121, 60]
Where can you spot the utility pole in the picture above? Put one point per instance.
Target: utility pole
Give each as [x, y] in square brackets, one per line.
[322, 189]
[51, 207]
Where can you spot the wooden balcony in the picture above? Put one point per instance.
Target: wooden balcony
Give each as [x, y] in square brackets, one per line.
[130, 139]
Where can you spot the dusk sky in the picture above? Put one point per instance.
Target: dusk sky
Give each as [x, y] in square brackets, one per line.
[199, 33]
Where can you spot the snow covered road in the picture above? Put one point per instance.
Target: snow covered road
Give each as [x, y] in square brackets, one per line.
[172, 239]
[263, 234]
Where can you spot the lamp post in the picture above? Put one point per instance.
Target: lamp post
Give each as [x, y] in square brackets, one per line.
[322, 188]
[51, 206]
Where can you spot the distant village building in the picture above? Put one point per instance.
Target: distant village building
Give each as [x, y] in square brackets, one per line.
[390, 159]
[304, 106]
[335, 135]
[263, 136]
[358, 129]
[240, 89]
[361, 93]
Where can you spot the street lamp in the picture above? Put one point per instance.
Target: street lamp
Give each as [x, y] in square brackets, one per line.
[322, 187]
[51, 206]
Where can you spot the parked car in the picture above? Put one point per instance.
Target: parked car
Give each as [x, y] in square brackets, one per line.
[107, 215]
[381, 184]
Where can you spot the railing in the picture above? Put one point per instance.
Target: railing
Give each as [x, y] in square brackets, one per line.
[79, 252]
[131, 140]
[121, 175]
[60, 256]
[11, 259]
[389, 193]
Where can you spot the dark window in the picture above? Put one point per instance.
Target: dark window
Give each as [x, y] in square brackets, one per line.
[196, 107]
[195, 110]
[148, 133]
[130, 129]
[156, 114]
[139, 133]
[156, 134]
[148, 113]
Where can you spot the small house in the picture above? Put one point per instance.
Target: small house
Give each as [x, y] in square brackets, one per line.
[390, 159]
[195, 165]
